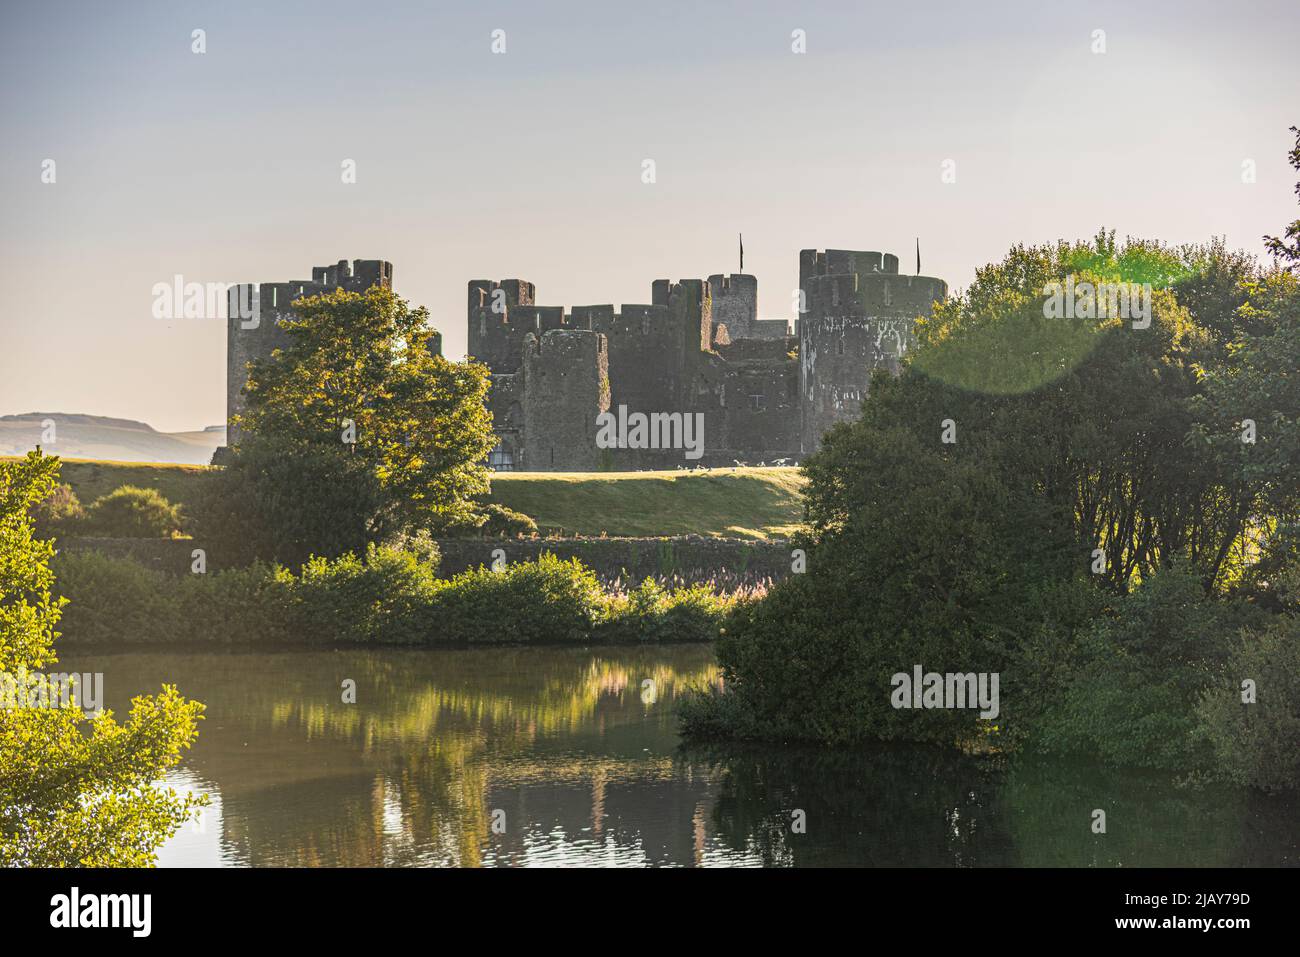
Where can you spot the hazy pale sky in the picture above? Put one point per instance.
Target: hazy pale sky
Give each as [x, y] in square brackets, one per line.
[226, 166]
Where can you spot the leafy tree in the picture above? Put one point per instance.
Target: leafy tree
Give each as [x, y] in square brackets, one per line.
[1071, 435]
[1287, 246]
[377, 434]
[73, 791]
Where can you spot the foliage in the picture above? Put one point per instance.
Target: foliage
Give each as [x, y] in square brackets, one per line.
[376, 432]
[383, 598]
[59, 513]
[391, 596]
[1255, 744]
[68, 798]
[979, 555]
[131, 512]
[650, 612]
[286, 501]
[1136, 673]
[1287, 246]
[491, 520]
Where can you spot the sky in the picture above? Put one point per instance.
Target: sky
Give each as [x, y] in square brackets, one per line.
[227, 165]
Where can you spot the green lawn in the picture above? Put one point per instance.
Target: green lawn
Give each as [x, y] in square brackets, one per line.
[738, 503]
[754, 503]
[91, 478]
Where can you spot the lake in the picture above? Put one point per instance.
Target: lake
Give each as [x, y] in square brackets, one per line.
[543, 756]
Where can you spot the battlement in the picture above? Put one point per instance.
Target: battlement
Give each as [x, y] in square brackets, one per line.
[872, 293]
[843, 262]
[561, 345]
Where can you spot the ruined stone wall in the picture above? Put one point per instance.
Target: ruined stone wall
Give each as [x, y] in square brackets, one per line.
[735, 303]
[763, 418]
[499, 322]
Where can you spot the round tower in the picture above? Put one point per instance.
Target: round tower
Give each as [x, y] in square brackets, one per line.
[859, 318]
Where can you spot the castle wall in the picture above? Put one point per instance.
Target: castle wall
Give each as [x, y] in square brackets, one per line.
[698, 347]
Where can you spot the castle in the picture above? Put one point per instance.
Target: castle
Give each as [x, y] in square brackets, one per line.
[698, 349]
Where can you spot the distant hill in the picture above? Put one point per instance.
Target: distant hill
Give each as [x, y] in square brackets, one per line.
[99, 437]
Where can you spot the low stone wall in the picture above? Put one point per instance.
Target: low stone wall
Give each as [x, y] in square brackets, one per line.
[691, 558]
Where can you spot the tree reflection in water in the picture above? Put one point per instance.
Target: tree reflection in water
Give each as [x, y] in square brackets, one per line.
[582, 756]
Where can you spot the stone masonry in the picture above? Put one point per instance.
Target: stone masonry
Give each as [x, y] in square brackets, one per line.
[698, 349]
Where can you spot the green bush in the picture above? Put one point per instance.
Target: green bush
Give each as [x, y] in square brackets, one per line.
[1256, 744]
[117, 600]
[391, 596]
[379, 599]
[652, 613]
[59, 513]
[132, 512]
[1130, 692]
[285, 502]
[490, 520]
[546, 600]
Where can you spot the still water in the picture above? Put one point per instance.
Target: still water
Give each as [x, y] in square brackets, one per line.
[573, 754]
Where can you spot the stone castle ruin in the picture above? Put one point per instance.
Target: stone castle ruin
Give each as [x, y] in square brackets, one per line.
[698, 348]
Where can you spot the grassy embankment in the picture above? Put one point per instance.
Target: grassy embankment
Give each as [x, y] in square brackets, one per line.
[753, 503]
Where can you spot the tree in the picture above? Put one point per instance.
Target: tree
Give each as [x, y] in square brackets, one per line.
[358, 401]
[1287, 246]
[1024, 477]
[69, 798]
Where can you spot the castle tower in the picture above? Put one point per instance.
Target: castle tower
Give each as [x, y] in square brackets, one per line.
[565, 387]
[501, 314]
[253, 321]
[859, 318]
[735, 304]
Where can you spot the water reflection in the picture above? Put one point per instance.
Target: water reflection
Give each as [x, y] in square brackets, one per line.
[575, 752]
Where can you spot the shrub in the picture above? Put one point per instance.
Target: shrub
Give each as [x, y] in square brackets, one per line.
[117, 600]
[652, 613]
[1129, 696]
[546, 600]
[284, 502]
[59, 513]
[490, 520]
[502, 522]
[391, 596]
[1256, 744]
[378, 599]
[132, 512]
